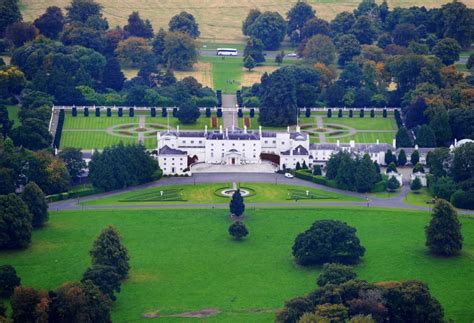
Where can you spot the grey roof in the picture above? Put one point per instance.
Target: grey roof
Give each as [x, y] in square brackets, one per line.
[368, 148]
[411, 150]
[165, 150]
[297, 151]
[269, 134]
[294, 135]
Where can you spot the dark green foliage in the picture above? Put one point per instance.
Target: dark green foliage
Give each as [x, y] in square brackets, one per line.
[317, 170]
[238, 230]
[418, 168]
[15, 222]
[298, 15]
[402, 158]
[249, 63]
[188, 113]
[372, 113]
[35, 199]
[392, 167]
[339, 113]
[51, 23]
[463, 199]
[443, 234]
[416, 184]
[294, 309]
[415, 157]
[8, 281]
[404, 34]
[184, 22]
[72, 157]
[24, 302]
[390, 157]
[365, 174]
[443, 187]
[403, 139]
[364, 30]
[254, 48]
[361, 113]
[328, 241]
[108, 250]
[180, 51]
[329, 113]
[347, 47]
[458, 22]
[270, 28]
[5, 122]
[121, 166]
[249, 20]
[81, 10]
[10, 14]
[447, 50]
[138, 27]
[237, 206]
[159, 46]
[393, 184]
[411, 301]
[19, 33]
[470, 62]
[425, 136]
[463, 168]
[335, 274]
[7, 181]
[105, 278]
[113, 76]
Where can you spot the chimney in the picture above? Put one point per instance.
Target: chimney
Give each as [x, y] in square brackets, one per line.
[288, 129]
[220, 129]
[416, 147]
[298, 128]
[227, 132]
[260, 130]
[291, 151]
[378, 141]
[352, 143]
[177, 129]
[205, 129]
[233, 127]
[455, 142]
[338, 143]
[394, 143]
[245, 129]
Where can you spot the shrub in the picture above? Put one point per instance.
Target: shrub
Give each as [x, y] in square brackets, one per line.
[252, 113]
[308, 112]
[317, 170]
[294, 309]
[74, 112]
[335, 274]
[237, 206]
[351, 113]
[97, 112]
[164, 112]
[240, 113]
[109, 112]
[384, 113]
[393, 184]
[361, 113]
[415, 184]
[372, 113]
[208, 112]
[339, 114]
[131, 112]
[120, 112]
[329, 113]
[328, 241]
[463, 199]
[238, 230]
[219, 113]
[86, 112]
[8, 280]
[175, 112]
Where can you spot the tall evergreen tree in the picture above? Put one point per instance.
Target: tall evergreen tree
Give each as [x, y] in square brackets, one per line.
[365, 175]
[237, 206]
[51, 23]
[113, 76]
[415, 157]
[138, 27]
[158, 45]
[108, 250]
[403, 138]
[35, 199]
[443, 234]
[402, 158]
[249, 63]
[425, 136]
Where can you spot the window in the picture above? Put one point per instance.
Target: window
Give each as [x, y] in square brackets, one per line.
[192, 141]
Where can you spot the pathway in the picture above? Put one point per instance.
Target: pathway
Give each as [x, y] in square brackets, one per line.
[320, 125]
[229, 113]
[141, 124]
[393, 202]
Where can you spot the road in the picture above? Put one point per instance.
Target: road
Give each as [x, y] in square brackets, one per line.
[393, 202]
[269, 55]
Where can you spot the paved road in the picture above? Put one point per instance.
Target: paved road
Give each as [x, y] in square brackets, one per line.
[394, 202]
[229, 116]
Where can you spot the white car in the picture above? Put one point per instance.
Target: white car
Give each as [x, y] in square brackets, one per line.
[292, 55]
[288, 175]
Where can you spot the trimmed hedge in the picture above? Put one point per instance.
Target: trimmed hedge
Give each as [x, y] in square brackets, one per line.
[71, 195]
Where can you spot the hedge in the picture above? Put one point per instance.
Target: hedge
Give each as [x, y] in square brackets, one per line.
[306, 175]
[71, 195]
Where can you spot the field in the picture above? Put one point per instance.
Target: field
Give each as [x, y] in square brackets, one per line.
[219, 20]
[13, 114]
[209, 193]
[190, 263]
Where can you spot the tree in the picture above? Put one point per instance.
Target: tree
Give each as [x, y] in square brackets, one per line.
[249, 20]
[138, 27]
[404, 34]
[470, 62]
[402, 158]
[270, 28]
[335, 274]
[317, 170]
[393, 184]
[347, 47]
[80, 302]
[298, 15]
[7, 181]
[425, 136]
[8, 280]
[463, 168]
[113, 77]
[180, 51]
[10, 14]
[35, 199]
[81, 10]
[108, 250]
[314, 27]
[332, 312]
[415, 185]
[72, 158]
[447, 50]
[365, 175]
[105, 278]
[51, 23]
[15, 222]
[402, 137]
[364, 30]
[389, 157]
[328, 241]
[415, 157]
[158, 45]
[342, 23]
[439, 123]
[411, 300]
[188, 112]
[254, 48]
[320, 49]
[237, 206]
[249, 63]
[184, 22]
[294, 309]
[238, 230]
[133, 52]
[458, 22]
[24, 303]
[84, 36]
[392, 167]
[21, 32]
[5, 122]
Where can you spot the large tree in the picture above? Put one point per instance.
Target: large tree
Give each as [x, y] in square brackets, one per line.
[35, 199]
[32, 134]
[402, 137]
[298, 15]
[320, 49]
[105, 278]
[25, 302]
[254, 48]
[180, 51]
[249, 20]
[21, 32]
[186, 23]
[73, 160]
[113, 77]
[81, 10]
[188, 112]
[270, 28]
[447, 50]
[158, 46]
[10, 10]
[138, 27]
[328, 241]
[365, 174]
[15, 222]
[108, 250]
[347, 47]
[51, 23]
[463, 167]
[8, 280]
[425, 136]
[364, 30]
[237, 206]
[458, 22]
[133, 51]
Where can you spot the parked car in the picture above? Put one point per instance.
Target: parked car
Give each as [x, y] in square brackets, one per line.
[288, 175]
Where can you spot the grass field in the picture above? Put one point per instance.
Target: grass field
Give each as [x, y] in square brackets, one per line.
[190, 263]
[207, 193]
[226, 72]
[219, 21]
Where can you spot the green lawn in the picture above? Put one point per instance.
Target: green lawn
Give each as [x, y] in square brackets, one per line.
[421, 198]
[206, 193]
[92, 140]
[13, 114]
[184, 260]
[366, 137]
[226, 72]
[367, 123]
[93, 122]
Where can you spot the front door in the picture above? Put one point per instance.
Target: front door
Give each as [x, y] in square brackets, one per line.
[233, 161]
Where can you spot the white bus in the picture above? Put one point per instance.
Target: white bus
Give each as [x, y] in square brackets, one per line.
[226, 52]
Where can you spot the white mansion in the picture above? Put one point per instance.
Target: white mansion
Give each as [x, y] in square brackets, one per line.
[178, 150]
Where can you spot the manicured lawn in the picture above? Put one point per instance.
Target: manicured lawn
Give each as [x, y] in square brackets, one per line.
[92, 139]
[367, 123]
[184, 260]
[93, 122]
[366, 137]
[226, 72]
[421, 198]
[13, 114]
[206, 193]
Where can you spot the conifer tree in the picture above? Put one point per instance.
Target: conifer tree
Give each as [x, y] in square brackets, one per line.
[415, 185]
[108, 250]
[35, 199]
[402, 158]
[113, 76]
[443, 234]
[237, 206]
[415, 157]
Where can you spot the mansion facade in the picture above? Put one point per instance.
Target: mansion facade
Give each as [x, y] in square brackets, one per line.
[178, 150]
